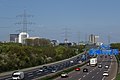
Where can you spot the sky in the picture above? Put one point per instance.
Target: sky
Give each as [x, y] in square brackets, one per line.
[52, 19]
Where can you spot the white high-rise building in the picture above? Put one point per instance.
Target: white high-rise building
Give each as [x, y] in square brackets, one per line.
[22, 37]
[93, 38]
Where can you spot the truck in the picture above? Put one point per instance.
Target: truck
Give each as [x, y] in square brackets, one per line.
[93, 62]
[18, 75]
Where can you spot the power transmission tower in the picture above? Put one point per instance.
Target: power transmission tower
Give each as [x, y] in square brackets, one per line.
[109, 37]
[78, 37]
[24, 21]
[66, 35]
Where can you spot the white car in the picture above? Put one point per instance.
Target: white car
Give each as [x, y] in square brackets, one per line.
[71, 61]
[106, 66]
[79, 62]
[105, 73]
[18, 75]
[64, 75]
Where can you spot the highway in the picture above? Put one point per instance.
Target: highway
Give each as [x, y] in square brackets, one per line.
[35, 73]
[95, 73]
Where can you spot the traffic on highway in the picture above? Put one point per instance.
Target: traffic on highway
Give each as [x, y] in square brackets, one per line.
[97, 67]
[106, 69]
[45, 70]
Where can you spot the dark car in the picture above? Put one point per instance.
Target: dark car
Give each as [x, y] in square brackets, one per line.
[99, 65]
[106, 56]
[85, 70]
[111, 57]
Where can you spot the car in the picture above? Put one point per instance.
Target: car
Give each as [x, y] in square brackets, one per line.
[105, 73]
[41, 70]
[106, 66]
[79, 62]
[99, 65]
[85, 70]
[77, 69]
[101, 56]
[64, 75]
[71, 61]
[18, 75]
[54, 70]
[106, 56]
[111, 57]
[88, 64]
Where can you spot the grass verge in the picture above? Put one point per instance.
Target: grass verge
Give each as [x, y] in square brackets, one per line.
[118, 74]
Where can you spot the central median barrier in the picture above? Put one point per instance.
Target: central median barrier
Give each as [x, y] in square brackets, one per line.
[57, 74]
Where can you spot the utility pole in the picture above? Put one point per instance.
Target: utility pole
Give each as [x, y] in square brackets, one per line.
[66, 35]
[109, 38]
[78, 37]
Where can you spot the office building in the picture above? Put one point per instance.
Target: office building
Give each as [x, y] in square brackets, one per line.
[14, 38]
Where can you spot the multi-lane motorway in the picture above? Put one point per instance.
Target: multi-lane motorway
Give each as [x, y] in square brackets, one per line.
[95, 73]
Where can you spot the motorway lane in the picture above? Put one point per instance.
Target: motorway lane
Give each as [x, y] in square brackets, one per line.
[94, 73]
[72, 75]
[112, 69]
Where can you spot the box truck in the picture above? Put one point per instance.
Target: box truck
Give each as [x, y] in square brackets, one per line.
[93, 62]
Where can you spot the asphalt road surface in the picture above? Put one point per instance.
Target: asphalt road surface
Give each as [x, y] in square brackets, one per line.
[95, 73]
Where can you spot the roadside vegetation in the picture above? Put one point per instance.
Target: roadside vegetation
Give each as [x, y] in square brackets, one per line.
[117, 46]
[15, 56]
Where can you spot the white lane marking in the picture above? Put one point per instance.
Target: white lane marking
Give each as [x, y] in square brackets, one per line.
[103, 78]
[97, 72]
[93, 69]
[87, 73]
[113, 78]
[79, 79]
[90, 71]
[93, 76]
[84, 75]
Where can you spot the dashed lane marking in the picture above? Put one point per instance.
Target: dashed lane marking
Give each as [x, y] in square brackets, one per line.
[97, 72]
[93, 76]
[84, 75]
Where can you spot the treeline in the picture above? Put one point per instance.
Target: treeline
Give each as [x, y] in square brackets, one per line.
[15, 56]
[116, 46]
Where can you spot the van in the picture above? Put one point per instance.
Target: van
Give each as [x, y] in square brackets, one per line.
[18, 75]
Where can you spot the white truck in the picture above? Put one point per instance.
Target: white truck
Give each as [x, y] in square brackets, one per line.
[18, 75]
[93, 62]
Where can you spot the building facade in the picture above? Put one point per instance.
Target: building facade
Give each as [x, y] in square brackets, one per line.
[14, 38]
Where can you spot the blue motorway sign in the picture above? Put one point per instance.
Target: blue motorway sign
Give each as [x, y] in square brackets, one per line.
[103, 52]
[103, 46]
[107, 52]
[94, 52]
[115, 51]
